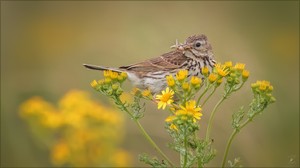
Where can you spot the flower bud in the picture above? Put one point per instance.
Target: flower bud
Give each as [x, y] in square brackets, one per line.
[115, 86]
[245, 75]
[94, 84]
[205, 71]
[170, 80]
[185, 86]
[212, 77]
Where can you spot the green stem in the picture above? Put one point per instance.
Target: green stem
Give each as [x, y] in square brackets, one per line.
[185, 152]
[152, 142]
[211, 93]
[146, 135]
[205, 90]
[212, 115]
[233, 134]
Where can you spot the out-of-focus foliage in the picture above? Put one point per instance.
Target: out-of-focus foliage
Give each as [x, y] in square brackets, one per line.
[78, 132]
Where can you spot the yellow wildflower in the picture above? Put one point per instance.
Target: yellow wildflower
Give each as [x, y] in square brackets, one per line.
[146, 93]
[120, 78]
[123, 74]
[195, 81]
[262, 85]
[222, 72]
[228, 64]
[212, 77]
[94, 83]
[115, 86]
[239, 66]
[106, 73]
[173, 127]
[60, 153]
[221, 69]
[121, 158]
[113, 75]
[170, 80]
[107, 80]
[245, 74]
[190, 109]
[181, 74]
[271, 88]
[165, 98]
[185, 86]
[170, 118]
[100, 82]
[205, 71]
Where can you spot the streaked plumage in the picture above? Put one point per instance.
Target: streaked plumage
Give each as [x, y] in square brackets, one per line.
[192, 55]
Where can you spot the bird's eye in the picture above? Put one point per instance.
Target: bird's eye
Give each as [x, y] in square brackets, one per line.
[198, 44]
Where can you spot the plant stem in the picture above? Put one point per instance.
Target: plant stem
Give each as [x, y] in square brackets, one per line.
[211, 93]
[205, 90]
[185, 148]
[145, 134]
[212, 115]
[152, 142]
[233, 134]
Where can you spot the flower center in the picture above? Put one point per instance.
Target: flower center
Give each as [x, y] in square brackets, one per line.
[165, 97]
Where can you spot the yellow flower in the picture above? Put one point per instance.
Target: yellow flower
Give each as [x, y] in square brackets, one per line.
[173, 127]
[262, 85]
[60, 153]
[107, 80]
[94, 83]
[205, 71]
[228, 64]
[170, 80]
[106, 73]
[165, 98]
[239, 66]
[185, 86]
[181, 74]
[100, 82]
[170, 118]
[212, 77]
[245, 74]
[123, 74]
[195, 81]
[113, 75]
[190, 109]
[146, 93]
[222, 71]
[115, 86]
[121, 158]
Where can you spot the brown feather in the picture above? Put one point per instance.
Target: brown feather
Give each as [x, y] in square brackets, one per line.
[168, 61]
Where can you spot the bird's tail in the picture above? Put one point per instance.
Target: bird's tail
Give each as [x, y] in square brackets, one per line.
[101, 68]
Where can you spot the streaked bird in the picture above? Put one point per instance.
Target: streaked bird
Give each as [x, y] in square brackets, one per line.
[192, 55]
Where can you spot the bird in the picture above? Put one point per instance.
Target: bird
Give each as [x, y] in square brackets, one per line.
[192, 55]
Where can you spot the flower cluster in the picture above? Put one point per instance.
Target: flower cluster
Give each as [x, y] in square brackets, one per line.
[185, 98]
[110, 85]
[79, 132]
[182, 88]
[233, 74]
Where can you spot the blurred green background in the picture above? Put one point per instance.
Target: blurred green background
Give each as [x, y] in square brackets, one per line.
[44, 44]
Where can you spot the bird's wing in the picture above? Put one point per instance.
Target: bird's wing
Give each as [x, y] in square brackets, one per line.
[166, 62]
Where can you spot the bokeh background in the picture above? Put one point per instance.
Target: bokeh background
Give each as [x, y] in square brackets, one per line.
[44, 44]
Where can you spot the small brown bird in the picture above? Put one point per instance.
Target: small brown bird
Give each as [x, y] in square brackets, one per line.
[192, 55]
